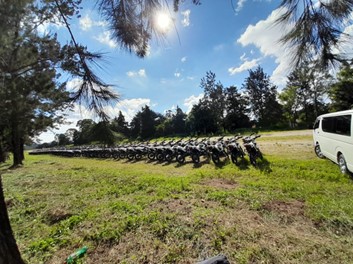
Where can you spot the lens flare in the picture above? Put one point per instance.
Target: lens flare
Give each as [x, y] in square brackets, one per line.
[163, 22]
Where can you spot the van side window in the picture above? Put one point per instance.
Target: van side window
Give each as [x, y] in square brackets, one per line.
[337, 124]
[316, 124]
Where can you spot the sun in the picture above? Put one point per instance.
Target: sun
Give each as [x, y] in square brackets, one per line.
[163, 22]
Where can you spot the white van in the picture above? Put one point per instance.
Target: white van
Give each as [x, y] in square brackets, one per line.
[333, 138]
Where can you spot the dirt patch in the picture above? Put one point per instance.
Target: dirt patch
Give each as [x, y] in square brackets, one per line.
[306, 132]
[220, 183]
[182, 207]
[57, 215]
[289, 209]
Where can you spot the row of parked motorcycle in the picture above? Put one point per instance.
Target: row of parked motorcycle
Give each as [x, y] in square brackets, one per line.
[167, 151]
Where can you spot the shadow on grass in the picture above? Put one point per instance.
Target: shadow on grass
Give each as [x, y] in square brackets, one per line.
[264, 165]
[222, 163]
[243, 164]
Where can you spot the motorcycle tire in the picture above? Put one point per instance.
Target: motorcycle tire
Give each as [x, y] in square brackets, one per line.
[115, 156]
[122, 155]
[234, 158]
[138, 156]
[252, 159]
[169, 157]
[215, 158]
[151, 156]
[195, 158]
[180, 159]
[130, 156]
[160, 157]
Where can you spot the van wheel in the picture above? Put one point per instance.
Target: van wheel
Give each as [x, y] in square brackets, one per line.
[318, 152]
[342, 164]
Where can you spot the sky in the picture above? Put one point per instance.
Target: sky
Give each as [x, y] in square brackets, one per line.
[226, 37]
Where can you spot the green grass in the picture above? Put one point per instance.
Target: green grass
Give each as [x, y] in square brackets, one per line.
[293, 208]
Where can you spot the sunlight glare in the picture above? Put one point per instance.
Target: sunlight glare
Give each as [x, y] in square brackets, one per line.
[163, 21]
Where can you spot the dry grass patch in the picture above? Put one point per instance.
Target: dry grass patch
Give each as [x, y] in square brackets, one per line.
[220, 183]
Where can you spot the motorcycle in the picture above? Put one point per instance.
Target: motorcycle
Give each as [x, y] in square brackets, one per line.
[218, 149]
[235, 150]
[252, 148]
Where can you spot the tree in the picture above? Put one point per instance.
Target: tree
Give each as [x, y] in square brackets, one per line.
[85, 133]
[70, 133]
[303, 97]
[214, 98]
[27, 58]
[132, 21]
[62, 140]
[236, 116]
[262, 98]
[102, 133]
[119, 125]
[341, 92]
[178, 121]
[201, 119]
[317, 28]
[145, 122]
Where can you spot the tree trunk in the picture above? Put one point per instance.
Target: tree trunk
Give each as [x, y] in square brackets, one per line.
[22, 152]
[16, 145]
[2, 152]
[9, 252]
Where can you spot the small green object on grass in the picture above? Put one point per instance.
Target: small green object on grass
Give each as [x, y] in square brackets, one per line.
[74, 256]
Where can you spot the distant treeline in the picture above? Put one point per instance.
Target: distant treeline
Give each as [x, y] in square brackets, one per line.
[257, 103]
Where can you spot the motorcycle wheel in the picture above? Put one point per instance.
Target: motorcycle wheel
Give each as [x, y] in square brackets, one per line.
[130, 156]
[234, 158]
[122, 155]
[151, 156]
[180, 158]
[160, 157]
[215, 158]
[169, 157]
[138, 156]
[195, 158]
[252, 159]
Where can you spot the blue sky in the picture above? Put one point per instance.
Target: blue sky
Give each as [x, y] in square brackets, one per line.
[211, 37]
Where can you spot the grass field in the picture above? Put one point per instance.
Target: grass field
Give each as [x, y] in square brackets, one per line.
[293, 208]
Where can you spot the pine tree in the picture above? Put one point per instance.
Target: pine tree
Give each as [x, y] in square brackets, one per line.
[341, 92]
[262, 98]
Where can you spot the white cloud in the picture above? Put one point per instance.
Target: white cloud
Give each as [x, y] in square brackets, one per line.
[186, 18]
[265, 35]
[72, 117]
[243, 57]
[344, 46]
[247, 65]
[240, 5]
[129, 107]
[183, 59]
[105, 38]
[192, 100]
[139, 73]
[86, 23]
[177, 74]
